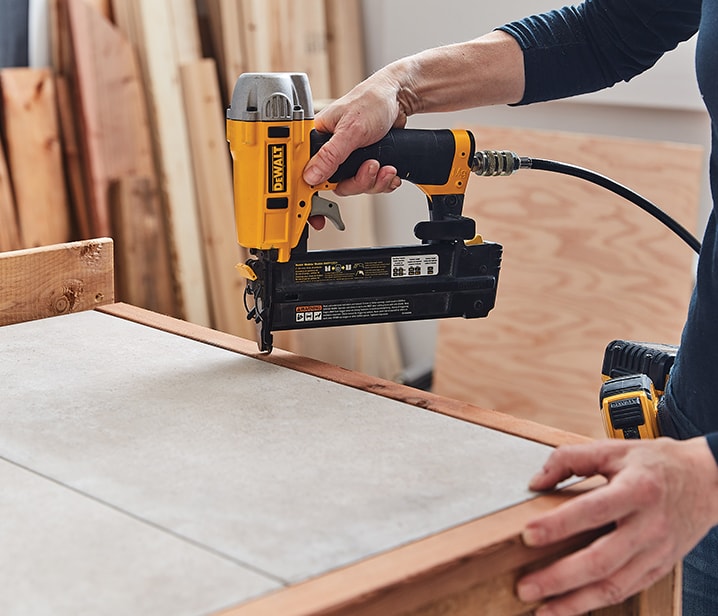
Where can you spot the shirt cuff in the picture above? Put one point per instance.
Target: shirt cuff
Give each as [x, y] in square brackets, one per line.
[712, 440]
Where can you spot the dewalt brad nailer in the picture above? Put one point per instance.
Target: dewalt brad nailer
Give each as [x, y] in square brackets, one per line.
[452, 272]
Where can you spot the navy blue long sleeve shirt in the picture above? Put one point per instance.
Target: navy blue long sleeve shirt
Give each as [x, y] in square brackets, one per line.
[593, 45]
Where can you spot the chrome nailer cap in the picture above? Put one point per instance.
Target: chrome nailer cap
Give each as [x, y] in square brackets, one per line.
[271, 97]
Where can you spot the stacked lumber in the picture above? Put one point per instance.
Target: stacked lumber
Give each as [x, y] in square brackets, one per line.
[36, 211]
[124, 137]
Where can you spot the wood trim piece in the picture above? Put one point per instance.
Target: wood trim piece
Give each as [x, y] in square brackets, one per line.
[389, 389]
[411, 577]
[53, 280]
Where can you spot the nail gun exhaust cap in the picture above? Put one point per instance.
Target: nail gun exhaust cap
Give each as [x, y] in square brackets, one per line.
[270, 97]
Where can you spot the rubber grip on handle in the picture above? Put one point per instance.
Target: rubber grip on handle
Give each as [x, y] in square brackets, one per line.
[420, 156]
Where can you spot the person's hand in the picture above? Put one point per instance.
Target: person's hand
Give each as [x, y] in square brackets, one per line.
[359, 118]
[662, 496]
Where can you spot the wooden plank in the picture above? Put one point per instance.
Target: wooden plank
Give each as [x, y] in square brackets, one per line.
[213, 173]
[581, 267]
[9, 232]
[118, 149]
[185, 28]
[282, 35]
[472, 564]
[148, 26]
[110, 96]
[484, 556]
[42, 282]
[72, 153]
[345, 45]
[34, 156]
[256, 29]
[227, 38]
[144, 277]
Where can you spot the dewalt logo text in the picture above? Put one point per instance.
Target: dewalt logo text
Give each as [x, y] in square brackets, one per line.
[278, 168]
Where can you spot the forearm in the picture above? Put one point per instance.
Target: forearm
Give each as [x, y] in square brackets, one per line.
[484, 71]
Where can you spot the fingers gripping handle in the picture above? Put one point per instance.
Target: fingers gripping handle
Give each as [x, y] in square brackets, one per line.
[439, 161]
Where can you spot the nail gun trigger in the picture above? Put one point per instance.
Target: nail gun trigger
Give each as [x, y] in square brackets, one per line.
[328, 209]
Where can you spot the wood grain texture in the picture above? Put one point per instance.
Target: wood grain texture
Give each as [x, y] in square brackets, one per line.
[345, 45]
[9, 232]
[34, 155]
[148, 25]
[227, 38]
[43, 282]
[72, 152]
[110, 96]
[117, 150]
[213, 173]
[144, 275]
[581, 267]
[450, 573]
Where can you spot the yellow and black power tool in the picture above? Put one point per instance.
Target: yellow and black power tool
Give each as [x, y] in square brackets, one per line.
[635, 376]
[451, 272]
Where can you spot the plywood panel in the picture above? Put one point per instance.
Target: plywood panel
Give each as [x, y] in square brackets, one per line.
[581, 267]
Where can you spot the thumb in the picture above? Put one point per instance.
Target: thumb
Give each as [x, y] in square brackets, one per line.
[577, 460]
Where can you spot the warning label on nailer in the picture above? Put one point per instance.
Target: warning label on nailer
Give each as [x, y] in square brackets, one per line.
[378, 309]
[414, 265]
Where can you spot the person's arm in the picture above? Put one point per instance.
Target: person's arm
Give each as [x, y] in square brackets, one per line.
[560, 53]
[662, 496]
[594, 45]
[484, 71]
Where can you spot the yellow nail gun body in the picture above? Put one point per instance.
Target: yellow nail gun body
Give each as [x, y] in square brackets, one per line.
[452, 272]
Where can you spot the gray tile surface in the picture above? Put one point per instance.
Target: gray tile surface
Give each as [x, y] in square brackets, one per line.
[285, 472]
[63, 554]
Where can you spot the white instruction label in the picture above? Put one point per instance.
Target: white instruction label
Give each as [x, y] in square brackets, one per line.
[414, 265]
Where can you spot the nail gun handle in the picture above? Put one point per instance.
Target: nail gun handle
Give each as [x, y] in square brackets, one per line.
[440, 158]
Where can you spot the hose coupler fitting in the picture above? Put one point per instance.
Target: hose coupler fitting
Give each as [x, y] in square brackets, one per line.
[496, 162]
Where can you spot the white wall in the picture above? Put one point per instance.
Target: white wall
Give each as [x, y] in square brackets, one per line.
[663, 104]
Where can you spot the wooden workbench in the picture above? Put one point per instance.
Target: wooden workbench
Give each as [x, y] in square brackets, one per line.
[150, 466]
